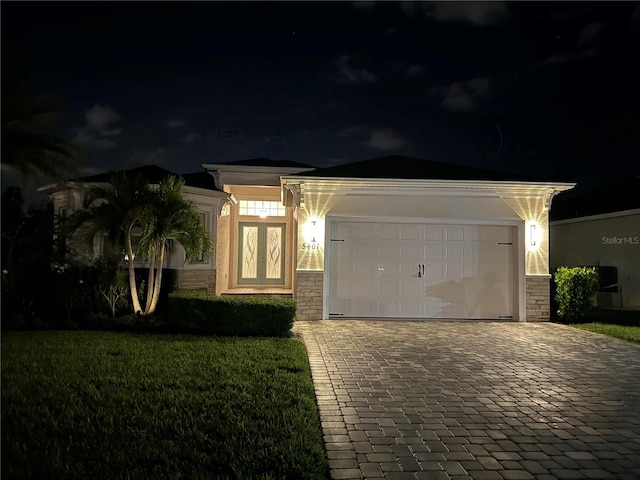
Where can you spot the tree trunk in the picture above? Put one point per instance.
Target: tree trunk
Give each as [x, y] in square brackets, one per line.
[156, 290]
[150, 279]
[132, 276]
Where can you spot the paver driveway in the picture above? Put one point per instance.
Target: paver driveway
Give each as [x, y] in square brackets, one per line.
[475, 400]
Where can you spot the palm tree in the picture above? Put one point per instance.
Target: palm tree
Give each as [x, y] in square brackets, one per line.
[161, 215]
[116, 209]
[172, 220]
[29, 147]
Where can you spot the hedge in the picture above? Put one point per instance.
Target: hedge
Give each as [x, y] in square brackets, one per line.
[574, 289]
[196, 311]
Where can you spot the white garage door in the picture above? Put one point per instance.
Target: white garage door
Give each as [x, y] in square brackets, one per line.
[420, 271]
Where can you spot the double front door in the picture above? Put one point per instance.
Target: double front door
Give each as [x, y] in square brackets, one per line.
[261, 253]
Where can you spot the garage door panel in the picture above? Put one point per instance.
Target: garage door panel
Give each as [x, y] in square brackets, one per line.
[389, 251]
[365, 307]
[362, 267]
[410, 252]
[435, 251]
[409, 232]
[365, 249]
[389, 287]
[467, 273]
[455, 233]
[434, 232]
[454, 252]
[389, 232]
[455, 270]
[363, 288]
[435, 271]
[362, 231]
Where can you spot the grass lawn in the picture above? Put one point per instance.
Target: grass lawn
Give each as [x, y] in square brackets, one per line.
[140, 406]
[625, 332]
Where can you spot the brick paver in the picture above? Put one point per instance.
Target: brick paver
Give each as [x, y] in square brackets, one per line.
[474, 400]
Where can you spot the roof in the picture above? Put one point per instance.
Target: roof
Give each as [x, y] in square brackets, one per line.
[621, 195]
[266, 162]
[152, 173]
[199, 180]
[155, 174]
[399, 167]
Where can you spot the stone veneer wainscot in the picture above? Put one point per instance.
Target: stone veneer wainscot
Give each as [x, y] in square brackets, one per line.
[309, 295]
[537, 298]
[197, 278]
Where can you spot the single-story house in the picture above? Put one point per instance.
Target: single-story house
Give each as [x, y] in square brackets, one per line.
[601, 227]
[390, 237]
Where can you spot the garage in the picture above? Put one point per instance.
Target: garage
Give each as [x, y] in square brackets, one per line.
[420, 270]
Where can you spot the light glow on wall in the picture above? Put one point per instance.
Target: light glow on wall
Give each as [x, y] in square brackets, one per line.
[532, 210]
[313, 230]
[316, 206]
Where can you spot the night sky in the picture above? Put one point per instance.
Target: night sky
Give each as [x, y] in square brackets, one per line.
[547, 88]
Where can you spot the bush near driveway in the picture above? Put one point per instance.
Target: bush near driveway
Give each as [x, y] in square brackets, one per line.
[574, 289]
[196, 311]
[107, 405]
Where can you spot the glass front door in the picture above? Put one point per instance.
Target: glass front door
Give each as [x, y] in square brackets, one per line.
[261, 253]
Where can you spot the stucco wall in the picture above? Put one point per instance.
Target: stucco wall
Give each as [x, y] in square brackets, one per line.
[537, 298]
[601, 240]
[223, 240]
[309, 295]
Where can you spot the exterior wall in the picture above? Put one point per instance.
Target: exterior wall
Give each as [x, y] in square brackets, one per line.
[223, 240]
[196, 279]
[537, 298]
[525, 207]
[309, 295]
[606, 240]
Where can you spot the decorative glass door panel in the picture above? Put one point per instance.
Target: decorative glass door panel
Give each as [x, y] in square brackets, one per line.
[261, 253]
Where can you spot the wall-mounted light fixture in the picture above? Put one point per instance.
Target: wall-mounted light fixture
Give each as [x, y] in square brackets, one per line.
[532, 235]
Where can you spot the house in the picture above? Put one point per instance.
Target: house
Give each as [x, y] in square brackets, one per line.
[390, 237]
[601, 227]
[199, 187]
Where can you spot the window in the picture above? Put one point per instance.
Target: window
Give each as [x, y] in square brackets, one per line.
[261, 208]
[205, 225]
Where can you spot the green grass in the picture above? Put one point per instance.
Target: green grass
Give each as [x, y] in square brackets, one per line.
[138, 406]
[619, 331]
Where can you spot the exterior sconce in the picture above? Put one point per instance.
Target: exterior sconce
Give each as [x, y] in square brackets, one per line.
[534, 232]
[532, 235]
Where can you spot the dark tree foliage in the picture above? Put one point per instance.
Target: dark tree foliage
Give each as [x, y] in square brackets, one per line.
[27, 245]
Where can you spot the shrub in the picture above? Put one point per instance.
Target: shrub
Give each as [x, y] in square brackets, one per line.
[201, 312]
[574, 289]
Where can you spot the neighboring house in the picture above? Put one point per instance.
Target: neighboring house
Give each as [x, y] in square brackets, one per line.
[601, 227]
[391, 237]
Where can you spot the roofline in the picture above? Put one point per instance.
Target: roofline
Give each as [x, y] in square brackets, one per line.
[256, 169]
[598, 216]
[205, 191]
[416, 183]
[51, 188]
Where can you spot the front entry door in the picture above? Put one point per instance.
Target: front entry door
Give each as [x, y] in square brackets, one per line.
[261, 253]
